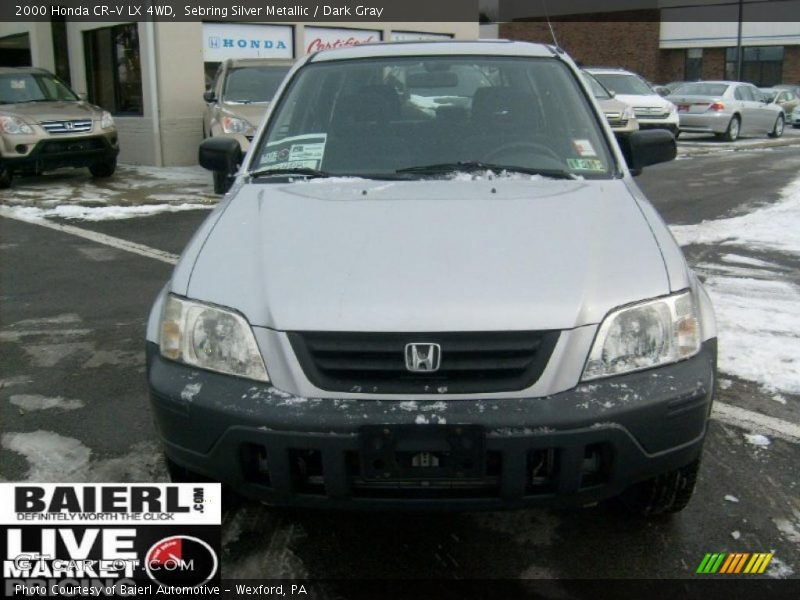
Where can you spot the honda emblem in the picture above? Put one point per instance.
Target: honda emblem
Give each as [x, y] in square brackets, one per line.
[423, 358]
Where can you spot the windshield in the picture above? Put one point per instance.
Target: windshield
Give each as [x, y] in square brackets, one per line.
[769, 94]
[624, 83]
[597, 88]
[253, 84]
[32, 87]
[375, 117]
[702, 89]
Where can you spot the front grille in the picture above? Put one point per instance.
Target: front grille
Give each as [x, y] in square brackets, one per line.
[471, 362]
[76, 145]
[76, 126]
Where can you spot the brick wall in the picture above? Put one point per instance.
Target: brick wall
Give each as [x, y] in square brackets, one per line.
[629, 44]
[714, 63]
[791, 64]
[672, 66]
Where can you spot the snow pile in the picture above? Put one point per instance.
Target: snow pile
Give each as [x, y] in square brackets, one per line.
[758, 322]
[776, 227]
[99, 213]
[758, 314]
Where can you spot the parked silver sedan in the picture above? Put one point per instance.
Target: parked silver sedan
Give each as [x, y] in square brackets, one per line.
[728, 109]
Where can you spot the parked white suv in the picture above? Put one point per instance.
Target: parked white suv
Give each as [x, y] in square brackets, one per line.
[652, 110]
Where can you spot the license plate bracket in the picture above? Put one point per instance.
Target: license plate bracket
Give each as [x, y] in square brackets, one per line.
[422, 452]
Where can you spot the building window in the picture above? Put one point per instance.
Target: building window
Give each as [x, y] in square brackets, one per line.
[761, 65]
[61, 48]
[15, 50]
[693, 65]
[113, 69]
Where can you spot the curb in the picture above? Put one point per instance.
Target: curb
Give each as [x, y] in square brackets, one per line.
[685, 147]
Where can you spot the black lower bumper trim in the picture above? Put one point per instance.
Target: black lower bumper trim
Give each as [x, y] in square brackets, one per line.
[575, 447]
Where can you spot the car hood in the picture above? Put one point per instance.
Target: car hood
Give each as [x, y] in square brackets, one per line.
[427, 255]
[252, 113]
[60, 110]
[612, 105]
[654, 101]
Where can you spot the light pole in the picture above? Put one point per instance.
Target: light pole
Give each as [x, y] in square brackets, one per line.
[739, 58]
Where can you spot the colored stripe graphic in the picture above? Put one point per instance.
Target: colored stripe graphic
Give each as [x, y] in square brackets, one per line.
[721, 562]
[711, 563]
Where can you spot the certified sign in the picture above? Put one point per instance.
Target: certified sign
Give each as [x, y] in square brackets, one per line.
[325, 38]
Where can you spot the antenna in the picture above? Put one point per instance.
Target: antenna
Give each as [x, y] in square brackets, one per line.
[549, 24]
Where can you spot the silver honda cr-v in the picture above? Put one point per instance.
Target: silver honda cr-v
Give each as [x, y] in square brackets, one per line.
[434, 283]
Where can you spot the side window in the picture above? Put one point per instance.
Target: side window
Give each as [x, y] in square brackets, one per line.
[743, 93]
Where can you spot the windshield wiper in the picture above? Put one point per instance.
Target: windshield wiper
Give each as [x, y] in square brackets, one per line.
[475, 165]
[299, 171]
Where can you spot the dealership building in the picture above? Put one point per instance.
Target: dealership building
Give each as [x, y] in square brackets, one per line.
[152, 76]
[664, 40]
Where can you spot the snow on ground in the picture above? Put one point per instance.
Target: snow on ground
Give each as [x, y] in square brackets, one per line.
[32, 402]
[757, 303]
[133, 191]
[776, 227]
[54, 457]
[100, 213]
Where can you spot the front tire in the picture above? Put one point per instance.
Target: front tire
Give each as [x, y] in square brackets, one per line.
[777, 129]
[665, 494]
[103, 169]
[5, 178]
[732, 132]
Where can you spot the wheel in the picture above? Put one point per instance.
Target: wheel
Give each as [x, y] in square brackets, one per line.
[732, 132]
[104, 169]
[222, 182]
[777, 130]
[5, 178]
[664, 494]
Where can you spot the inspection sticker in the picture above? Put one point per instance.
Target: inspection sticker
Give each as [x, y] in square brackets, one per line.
[584, 148]
[586, 164]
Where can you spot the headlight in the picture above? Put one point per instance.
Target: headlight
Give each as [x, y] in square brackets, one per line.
[628, 113]
[672, 108]
[235, 125]
[14, 126]
[211, 338]
[645, 335]
[106, 121]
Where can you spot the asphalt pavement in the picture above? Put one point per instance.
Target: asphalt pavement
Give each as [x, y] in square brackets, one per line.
[73, 407]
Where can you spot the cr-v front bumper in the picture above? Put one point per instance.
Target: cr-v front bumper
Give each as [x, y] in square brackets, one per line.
[575, 447]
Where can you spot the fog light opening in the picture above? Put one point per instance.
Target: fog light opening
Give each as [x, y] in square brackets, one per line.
[596, 467]
[255, 465]
[541, 469]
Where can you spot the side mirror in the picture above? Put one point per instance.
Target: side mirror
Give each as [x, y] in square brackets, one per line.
[209, 96]
[647, 147]
[662, 91]
[220, 154]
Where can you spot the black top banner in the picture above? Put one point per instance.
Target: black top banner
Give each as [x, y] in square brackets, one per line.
[241, 10]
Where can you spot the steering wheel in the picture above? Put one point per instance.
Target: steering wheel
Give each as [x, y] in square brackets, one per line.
[517, 148]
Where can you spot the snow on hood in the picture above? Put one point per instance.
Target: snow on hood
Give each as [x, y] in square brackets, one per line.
[505, 254]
